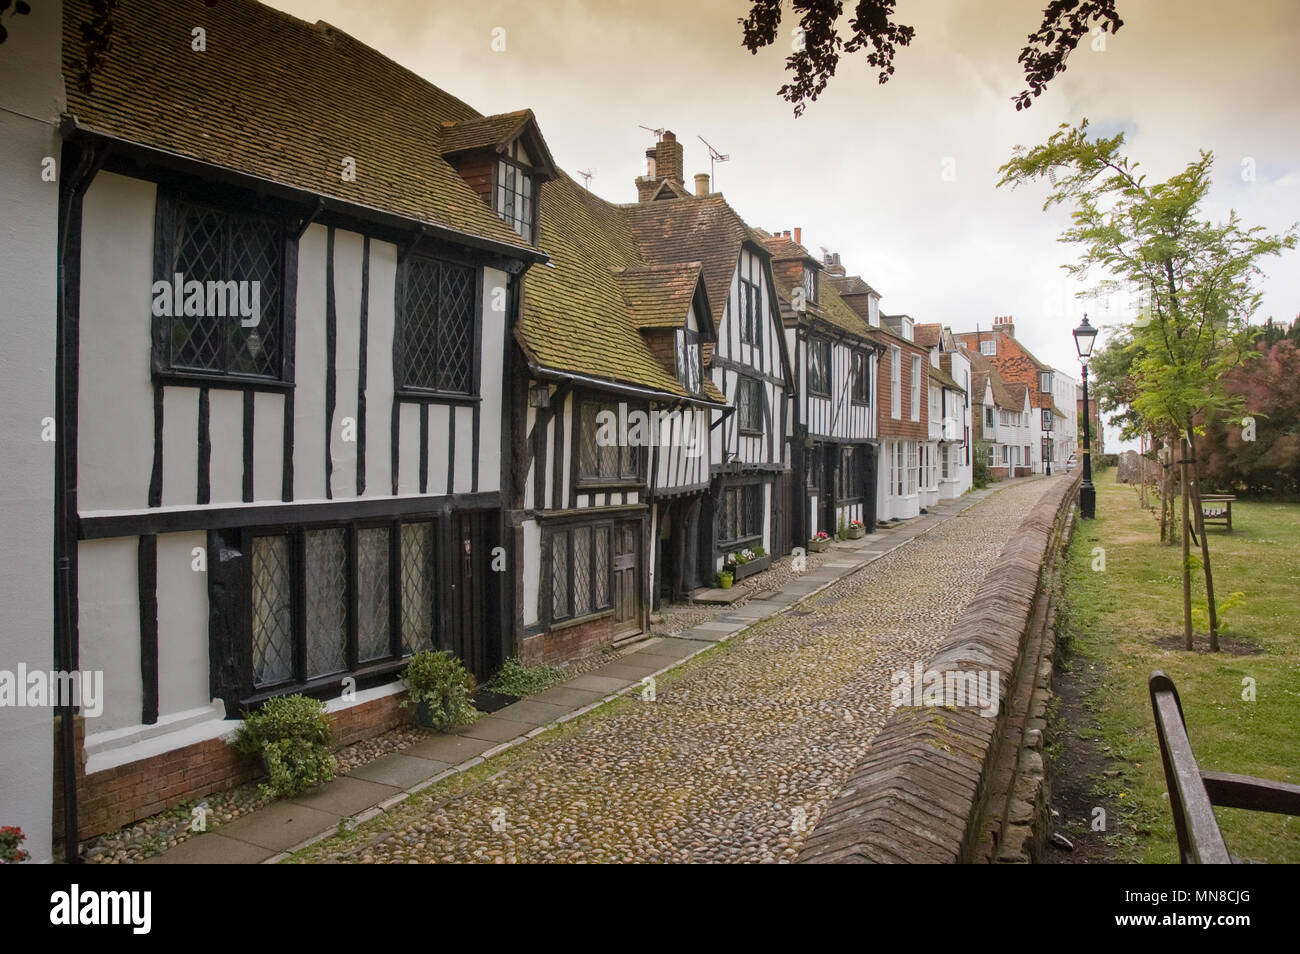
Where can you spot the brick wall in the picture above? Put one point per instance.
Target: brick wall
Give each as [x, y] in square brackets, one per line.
[126, 793]
[902, 428]
[567, 643]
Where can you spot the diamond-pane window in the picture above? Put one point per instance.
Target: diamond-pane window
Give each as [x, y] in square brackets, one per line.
[437, 327]
[232, 321]
[327, 601]
[372, 594]
[417, 587]
[272, 612]
[606, 454]
[601, 568]
[582, 571]
[560, 576]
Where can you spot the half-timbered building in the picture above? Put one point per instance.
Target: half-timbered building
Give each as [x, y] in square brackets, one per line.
[286, 324]
[745, 507]
[833, 428]
[614, 407]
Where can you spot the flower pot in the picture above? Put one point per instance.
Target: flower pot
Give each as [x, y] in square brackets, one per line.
[424, 716]
[856, 533]
[819, 546]
[724, 582]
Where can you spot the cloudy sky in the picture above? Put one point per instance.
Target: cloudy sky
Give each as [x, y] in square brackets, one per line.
[862, 171]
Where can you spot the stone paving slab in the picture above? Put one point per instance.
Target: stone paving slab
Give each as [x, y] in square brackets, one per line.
[347, 794]
[399, 770]
[533, 712]
[566, 696]
[452, 749]
[599, 683]
[279, 826]
[496, 729]
[214, 848]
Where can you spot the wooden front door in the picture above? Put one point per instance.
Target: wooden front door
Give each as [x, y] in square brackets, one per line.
[464, 569]
[627, 578]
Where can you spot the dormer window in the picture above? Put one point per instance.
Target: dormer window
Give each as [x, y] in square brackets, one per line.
[810, 284]
[1045, 381]
[515, 192]
[688, 360]
[989, 347]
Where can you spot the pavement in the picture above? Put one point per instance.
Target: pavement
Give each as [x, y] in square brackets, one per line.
[274, 832]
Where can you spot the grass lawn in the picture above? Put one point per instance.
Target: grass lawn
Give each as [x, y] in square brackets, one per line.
[1126, 620]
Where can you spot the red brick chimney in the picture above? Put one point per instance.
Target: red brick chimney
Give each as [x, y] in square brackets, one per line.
[1005, 324]
[668, 159]
[798, 236]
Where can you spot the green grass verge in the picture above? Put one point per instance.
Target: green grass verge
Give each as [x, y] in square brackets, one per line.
[1128, 619]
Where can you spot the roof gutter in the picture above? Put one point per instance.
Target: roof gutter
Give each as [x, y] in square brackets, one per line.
[73, 130]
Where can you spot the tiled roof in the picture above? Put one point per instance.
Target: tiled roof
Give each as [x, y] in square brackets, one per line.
[481, 131]
[659, 296]
[700, 229]
[829, 309]
[927, 335]
[576, 317]
[784, 249]
[281, 99]
[852, 285]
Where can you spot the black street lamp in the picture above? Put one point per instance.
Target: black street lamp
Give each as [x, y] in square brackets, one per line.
[1084, 337]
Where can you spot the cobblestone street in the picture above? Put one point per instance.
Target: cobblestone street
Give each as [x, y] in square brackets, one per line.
[735, 759]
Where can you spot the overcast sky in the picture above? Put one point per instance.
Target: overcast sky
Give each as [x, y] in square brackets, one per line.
[862, 171]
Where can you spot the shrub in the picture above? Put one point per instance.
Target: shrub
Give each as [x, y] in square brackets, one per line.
[980, 475]
[292, 735]
[440, 683]
[517, 679]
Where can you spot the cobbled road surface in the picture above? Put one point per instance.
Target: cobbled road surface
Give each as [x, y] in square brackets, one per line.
[735, 760]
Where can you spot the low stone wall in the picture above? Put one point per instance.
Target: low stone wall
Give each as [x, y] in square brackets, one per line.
[938, 783]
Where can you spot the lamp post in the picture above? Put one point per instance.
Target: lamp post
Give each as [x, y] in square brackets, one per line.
[1084, 337]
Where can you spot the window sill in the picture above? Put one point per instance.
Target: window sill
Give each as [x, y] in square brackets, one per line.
[444, 397]
[621, 483]
[580, 620]
[197, 379]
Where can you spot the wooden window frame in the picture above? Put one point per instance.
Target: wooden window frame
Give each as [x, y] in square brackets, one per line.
[732, 544]
[687, 347]
[231, 205]
[498, 188]
[631, 475]
[402, 325]
[860, 368]
[566, 530]
[814, 385]
[755, 405]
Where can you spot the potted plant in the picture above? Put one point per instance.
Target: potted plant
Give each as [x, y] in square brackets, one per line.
[820, 543]
[440, 688]
[11, 849]
[292, 736]
[726, 576]
[856, 530]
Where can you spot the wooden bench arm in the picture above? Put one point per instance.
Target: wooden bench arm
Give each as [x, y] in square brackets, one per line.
[1229, 790]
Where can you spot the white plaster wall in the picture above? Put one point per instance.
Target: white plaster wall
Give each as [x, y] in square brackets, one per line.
[408, 449]
[379, 369]
[31, 99]
[268, 446]
[348, 251]
[182, 624]
[309, 369]
[464, 475]
[226, 431]
[115, 405]
[439, 447]
[491, 381]
[532, 569]
[180, 446]
[109, 604]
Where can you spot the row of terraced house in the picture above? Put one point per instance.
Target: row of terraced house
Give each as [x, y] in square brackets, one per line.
[341, 369]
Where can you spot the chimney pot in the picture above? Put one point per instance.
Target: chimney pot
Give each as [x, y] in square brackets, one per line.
[701, 183]
[798, 236]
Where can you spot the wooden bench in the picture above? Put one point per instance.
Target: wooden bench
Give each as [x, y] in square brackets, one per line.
[1216, 510]
[1193, 793]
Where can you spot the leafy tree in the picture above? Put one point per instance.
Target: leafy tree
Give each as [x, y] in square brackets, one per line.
[1197, 277]
[873, 27]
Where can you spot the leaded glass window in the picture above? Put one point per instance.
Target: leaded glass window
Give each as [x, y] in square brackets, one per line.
[688, 359]
[372, 594]
[272, 611]
[417, 587]
[861, 378]
[605, 452]
[819, 366]
[580, 571]
[560, 576]
[437, 303]
[223, 310]
[749, 404]
[326, 607]
[515, 197]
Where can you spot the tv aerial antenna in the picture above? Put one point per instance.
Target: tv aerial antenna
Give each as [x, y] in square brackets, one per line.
[659, 133]
[586, 177]
[714, 158]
